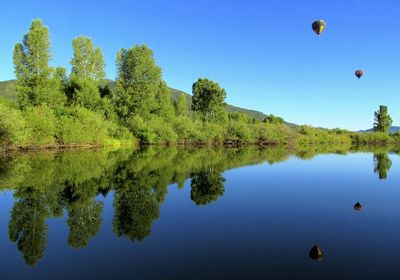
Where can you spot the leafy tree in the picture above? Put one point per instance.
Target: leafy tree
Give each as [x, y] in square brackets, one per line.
[273, 119]
[87, 75]
[88, 61]
[181, 107]
[164, 108]
[208, 100]
[383, 121]
[138, 83]
[37, 82]
[206, 186]
[382, 164]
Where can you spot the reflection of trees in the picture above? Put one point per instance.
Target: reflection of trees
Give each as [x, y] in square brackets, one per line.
[84, 213]
[61, 182]
[136, 206]
[382, 164]
[207, 186]
[27, 224]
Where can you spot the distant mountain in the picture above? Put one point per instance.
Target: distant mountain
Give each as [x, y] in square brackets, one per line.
[393, 129]
[7, 91]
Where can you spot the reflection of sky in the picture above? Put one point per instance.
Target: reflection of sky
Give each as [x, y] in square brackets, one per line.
[264, 225]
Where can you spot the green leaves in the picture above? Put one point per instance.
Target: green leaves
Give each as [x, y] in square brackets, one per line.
[383, 121]
[208, 100]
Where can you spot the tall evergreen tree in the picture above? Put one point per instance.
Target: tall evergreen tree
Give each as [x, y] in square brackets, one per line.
[208, 100]
[383, 121]
[37, 82]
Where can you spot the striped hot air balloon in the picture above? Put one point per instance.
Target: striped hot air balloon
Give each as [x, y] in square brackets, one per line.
[318, 26]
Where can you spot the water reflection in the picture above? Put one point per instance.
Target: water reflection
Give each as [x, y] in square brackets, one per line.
[316, 253]
[51, 184]
[382, 164]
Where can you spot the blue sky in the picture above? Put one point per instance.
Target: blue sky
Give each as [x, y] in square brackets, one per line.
[263, 53]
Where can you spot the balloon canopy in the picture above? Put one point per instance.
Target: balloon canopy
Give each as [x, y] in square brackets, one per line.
[318, 26]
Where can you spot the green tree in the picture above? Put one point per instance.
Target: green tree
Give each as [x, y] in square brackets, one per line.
[37, 82]
[138, 83]
[181, 107]
[88, 61]
[273, 119]
[164, 108]
[87, 75]
[383, 121]
[208, 100]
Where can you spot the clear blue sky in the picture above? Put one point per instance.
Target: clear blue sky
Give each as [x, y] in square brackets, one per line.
[263, 53]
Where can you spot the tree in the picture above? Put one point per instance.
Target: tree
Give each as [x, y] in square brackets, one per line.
[181, 108]
[164, 107]
[208, 100]
[383, 121]
[273, 119]
[87, 75]
[37, 82]
[88, 61]
[138, 83]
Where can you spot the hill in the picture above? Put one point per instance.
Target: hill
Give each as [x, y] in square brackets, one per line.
[7, 91]
[393, 129]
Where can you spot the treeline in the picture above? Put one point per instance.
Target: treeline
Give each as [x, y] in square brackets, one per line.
[54, 108]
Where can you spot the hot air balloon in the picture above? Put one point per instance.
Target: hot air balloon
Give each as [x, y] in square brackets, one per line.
[358, 206]
[318, 26]
[316, 253]
[359, 73]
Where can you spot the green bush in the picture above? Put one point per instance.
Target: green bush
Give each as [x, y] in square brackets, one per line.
[13, 128]
[163, 130]
[82, 126]
[42, 122]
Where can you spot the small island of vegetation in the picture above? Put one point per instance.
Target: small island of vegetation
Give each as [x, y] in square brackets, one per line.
[53, 109]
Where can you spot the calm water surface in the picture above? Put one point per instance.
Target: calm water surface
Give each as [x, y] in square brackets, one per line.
[168, 213]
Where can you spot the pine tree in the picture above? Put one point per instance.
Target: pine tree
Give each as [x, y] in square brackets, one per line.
[383, 121]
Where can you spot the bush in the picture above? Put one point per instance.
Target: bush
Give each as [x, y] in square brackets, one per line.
[163, 131]
[13, 128]
[186, 130]
[81, 125]
[42, 122]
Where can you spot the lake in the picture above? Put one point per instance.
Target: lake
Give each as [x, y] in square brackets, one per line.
[201, 213]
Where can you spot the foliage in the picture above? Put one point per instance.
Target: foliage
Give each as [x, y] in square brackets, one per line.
[13, 127]
[37, 82]
[138, 82]
[383, 121]
[208, 100]
[42, 123]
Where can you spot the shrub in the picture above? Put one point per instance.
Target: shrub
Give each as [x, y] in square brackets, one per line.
[13, 128]
[42, 123]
